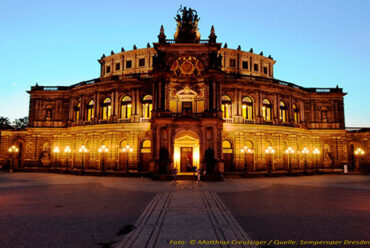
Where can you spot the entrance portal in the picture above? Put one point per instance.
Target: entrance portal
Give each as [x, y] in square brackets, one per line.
[186, 152]
[186, 159]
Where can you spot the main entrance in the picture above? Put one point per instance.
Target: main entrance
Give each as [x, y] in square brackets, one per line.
[186, 159]
[186, 152]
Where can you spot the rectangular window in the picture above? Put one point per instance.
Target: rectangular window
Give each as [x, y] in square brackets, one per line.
[141, 62]
[232, 63]
[245, 64]
[128, 64]
[118, 66]
[265, 70]
[107, 70]
[255, 67]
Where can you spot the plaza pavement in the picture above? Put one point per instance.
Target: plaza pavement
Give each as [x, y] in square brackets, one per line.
[236, 209]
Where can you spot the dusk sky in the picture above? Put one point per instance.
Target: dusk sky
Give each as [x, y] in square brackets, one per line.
[316, 43]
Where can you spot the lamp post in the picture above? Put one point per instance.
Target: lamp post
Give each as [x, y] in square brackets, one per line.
[13, 150]
[67, 150]
[56, 152]
[127, 150]
[246, 151]
[316, 153]
[269, 151]
[305, 151]
[288, 152]
[102, 151]
[83, 150]
[358, 154]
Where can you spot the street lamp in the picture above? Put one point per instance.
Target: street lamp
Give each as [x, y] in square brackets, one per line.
[358, 154]
[83, 150]
[13, 150]
[56, 152]
[269, 151]
[67, 150]
[316, 153]
[102, 150]
[305, 151]
[288, 152]
[127, 149]
[246, 151]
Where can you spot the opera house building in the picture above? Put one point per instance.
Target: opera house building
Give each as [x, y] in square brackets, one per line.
[183, 104]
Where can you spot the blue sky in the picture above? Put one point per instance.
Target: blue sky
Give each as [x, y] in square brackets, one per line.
[316, 43]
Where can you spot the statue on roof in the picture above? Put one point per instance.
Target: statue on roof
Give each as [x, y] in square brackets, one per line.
[187, 26]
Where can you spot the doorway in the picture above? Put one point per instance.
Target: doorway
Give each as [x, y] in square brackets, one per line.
[186, 159]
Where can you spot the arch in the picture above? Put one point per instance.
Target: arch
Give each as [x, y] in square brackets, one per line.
[123, 143]
[283, 112]
[226, 144]
[227, 150]
[266, 110]
[90, 110]
[247, 108]
[146, 143]
[147, 106]
[106, 108]
[226, 107]
[249, 144]
[297, 119]
[126, 107]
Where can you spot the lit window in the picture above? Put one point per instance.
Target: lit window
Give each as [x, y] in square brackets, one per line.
[232, 63]
[266, 110]
[126, 107]
[90, 110]
[296, 114]
[106, 109]
[283, 112]
[77, 112]
[226, 107]
[141, 62]
[247, 107]
[147, 106]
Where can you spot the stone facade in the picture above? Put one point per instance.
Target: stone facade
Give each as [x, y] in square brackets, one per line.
[178, 104]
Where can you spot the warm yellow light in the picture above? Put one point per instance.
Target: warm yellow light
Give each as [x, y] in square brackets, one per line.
[83, 149]
[131, 149]
[67, 149]
[316, 151]
[244, 106]
[289, 150]
[123, 149]
[359, 151]
[56, 149]
[242, 150]
[270, 150]
[305, 150]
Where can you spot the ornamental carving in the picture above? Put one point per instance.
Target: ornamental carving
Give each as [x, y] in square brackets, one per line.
[187, 66]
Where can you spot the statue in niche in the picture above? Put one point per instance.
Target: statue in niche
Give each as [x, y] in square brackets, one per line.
[45, 155]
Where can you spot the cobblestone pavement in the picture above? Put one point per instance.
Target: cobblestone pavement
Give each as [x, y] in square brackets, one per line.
[55, 210]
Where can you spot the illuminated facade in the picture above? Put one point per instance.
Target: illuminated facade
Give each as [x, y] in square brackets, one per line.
[182, 103]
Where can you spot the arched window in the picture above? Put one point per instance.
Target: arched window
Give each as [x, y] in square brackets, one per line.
[145, 146]
[90, 110]
[296, 114]
[266, 110]
[77, 109]
[126, 107]
[106, 108]
[283, 112]
[147, 106]
[226, 107]
[247, 106]
[227, 147]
